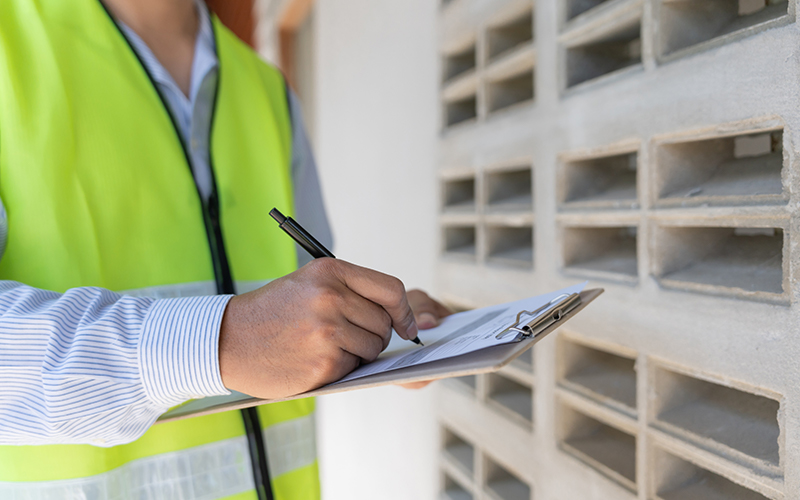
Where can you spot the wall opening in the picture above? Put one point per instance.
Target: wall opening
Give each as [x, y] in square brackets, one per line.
[578, 7]
[459, 195]
[511, 398]
[509, 190]
[602, 376]
[453, 490]
[678, 479]
[600, 445]
[610, 52]
[700, 411]
[512, 246]
[739, 169]
[721, 259]
[512, 90]
[609, 251]
[506, 37]
[461, 110]
[503, 484]
[459, 451]
[459, 63]
[608, 181]
[685, 23]
[460, 241]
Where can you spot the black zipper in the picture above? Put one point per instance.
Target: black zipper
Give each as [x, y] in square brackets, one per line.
[222, 273]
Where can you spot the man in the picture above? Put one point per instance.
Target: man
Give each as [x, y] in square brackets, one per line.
[141, 148]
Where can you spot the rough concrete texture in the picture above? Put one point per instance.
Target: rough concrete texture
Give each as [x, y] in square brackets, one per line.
[662, 136]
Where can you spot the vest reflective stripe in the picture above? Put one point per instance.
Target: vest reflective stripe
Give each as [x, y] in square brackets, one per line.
[291, 445]
[205, 472]
[198, 288]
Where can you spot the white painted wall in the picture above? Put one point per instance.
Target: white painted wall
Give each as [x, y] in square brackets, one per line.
[376, 111]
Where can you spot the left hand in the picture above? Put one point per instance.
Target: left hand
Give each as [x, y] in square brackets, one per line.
[428, 313]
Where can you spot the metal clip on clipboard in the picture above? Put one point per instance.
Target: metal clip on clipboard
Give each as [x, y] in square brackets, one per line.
[542, 318]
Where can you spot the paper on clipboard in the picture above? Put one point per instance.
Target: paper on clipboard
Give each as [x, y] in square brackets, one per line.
[459, 334]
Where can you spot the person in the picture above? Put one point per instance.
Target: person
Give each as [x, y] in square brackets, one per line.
[141, 148]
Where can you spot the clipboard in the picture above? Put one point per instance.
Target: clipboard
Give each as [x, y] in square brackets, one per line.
[528, 332]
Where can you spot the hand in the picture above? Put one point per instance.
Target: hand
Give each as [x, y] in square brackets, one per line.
[428, 313]
[310, 328]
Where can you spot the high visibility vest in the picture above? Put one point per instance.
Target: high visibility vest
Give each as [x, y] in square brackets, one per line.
[98, 192]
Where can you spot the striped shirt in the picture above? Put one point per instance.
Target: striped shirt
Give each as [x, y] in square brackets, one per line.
[96, 367]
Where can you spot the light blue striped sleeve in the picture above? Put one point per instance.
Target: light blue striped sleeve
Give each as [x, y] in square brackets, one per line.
[94, 367]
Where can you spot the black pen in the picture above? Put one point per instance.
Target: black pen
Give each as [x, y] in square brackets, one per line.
[308, 242]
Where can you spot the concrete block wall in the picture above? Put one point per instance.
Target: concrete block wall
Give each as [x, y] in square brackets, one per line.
[649, 146]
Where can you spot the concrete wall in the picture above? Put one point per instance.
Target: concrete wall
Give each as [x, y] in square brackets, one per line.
[681, 380]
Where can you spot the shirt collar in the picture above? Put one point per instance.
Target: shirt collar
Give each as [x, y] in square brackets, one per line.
[205, 54]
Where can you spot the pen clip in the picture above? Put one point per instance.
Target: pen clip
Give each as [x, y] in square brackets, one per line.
[542, 317]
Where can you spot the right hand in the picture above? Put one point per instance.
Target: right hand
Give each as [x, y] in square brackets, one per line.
[310, 328]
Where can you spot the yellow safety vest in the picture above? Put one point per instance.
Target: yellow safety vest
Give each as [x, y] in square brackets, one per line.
[98, 192]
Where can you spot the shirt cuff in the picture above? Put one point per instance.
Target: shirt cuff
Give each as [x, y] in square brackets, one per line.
[178, 349]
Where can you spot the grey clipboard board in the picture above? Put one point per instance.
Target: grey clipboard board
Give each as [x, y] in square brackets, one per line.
[483, 361]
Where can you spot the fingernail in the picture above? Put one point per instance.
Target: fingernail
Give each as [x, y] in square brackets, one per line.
[412, 331]
[426, 320]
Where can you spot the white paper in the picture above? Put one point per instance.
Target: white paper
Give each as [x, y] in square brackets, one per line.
[458, 334]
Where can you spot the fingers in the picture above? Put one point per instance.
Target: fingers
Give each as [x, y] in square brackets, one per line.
[442, 309]
[359, 342]
[368, 316]
[336, 367]
[427, 311]
[415, 385]
[382, 289]
[424, 308]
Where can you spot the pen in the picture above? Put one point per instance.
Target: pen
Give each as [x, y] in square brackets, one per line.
[308, 242]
